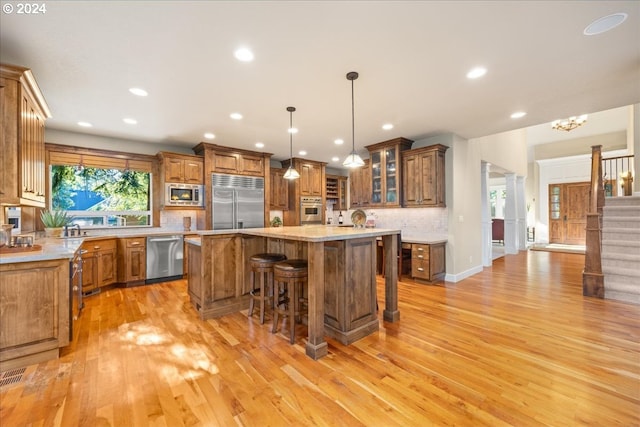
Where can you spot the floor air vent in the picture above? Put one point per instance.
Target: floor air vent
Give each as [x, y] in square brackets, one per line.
[11, 377]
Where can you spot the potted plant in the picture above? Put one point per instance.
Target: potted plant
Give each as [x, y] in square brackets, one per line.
[276, 222]
[54, 222]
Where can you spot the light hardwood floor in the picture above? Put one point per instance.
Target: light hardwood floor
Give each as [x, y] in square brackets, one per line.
[514, 345]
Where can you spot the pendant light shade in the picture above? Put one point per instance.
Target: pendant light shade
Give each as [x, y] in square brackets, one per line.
[291, 172]
[353, 160]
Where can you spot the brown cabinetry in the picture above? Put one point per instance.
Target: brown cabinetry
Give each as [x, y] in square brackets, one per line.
[181, 168]
[34, 301]
[132, 259]
[218, 280]
[428, 261]
[386, 171]
[360, 186]
[99, 264]
[23, 112]
[310, 183]
[424, 176]
[279, 194]
[219, 159]
[337, 191]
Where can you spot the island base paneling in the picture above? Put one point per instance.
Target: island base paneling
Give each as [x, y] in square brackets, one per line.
[219, 279]
[34, 302]
[350, 309]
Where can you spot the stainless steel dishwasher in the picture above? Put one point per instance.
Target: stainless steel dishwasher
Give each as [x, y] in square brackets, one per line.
[164, 258]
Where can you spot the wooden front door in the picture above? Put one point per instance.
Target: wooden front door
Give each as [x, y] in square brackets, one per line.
[568, 206]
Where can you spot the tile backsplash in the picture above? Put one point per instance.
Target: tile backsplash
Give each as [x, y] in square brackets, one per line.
[173, 220]
[410, 221]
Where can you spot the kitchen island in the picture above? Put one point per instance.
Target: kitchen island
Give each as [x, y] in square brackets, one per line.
[341, 276]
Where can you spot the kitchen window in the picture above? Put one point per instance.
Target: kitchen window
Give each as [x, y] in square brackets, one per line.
[100, 191]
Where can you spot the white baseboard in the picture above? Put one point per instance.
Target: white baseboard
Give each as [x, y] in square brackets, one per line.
[454, 278]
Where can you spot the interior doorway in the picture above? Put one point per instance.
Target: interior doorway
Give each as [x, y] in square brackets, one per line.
[568, 207]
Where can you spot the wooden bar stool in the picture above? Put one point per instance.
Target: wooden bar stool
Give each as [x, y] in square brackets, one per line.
[290, 277]
[263, 265]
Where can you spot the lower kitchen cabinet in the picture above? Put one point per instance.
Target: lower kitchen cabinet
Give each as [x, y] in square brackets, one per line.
[34, 301]
[428, 261]
[99, 264]
[132, 260]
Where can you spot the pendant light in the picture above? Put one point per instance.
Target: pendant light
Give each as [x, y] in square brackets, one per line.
[353, 160]
[291, 173]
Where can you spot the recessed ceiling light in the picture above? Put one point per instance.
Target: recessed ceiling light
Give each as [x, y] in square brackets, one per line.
[604, 24]
[338, 141]
[387, 126]
[293, 130]
[302, 153]
[244, 55]
[236, 116]
[85, 124]
[209, 135]
[518, 115]
[476, 72]
[335, 159]
[130, 121]
[259, 144]
[137, 91]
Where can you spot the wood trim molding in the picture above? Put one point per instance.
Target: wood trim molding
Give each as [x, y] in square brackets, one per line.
[71, 155]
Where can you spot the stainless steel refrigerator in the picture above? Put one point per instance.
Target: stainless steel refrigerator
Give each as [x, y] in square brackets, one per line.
[238, 201]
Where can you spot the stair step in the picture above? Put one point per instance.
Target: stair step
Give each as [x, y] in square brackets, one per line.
[621, 210]
[622, 296]
[622, 201]
[621, 221]
[620, 234]
[625, 274]
[624, 256]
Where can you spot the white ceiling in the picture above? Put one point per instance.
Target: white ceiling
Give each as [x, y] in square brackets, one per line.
[412, 57]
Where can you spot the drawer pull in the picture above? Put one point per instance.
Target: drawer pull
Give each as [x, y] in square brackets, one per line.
[96, 247]
[420, 269]
[420, 249]
[420, 256]
[135, 243]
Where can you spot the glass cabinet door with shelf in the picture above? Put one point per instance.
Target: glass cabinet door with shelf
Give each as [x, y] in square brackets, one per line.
[386, 174]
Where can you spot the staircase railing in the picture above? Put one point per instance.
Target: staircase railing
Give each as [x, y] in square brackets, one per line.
[592, 277]
[614, 169]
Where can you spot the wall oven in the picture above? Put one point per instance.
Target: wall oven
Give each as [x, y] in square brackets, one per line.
[177, 194]
[310, 210]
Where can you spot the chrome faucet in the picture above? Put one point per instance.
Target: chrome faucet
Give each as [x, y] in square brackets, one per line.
[73, 233]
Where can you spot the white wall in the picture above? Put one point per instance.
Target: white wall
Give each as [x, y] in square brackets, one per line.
[113, 144]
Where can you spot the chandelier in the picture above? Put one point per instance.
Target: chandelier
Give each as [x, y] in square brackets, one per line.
[570, 123]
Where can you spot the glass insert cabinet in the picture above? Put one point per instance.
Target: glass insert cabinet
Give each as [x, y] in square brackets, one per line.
[386, 172]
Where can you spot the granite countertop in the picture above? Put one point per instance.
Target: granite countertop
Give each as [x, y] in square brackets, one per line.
[308, 233]
[52, 248]
[65, 248]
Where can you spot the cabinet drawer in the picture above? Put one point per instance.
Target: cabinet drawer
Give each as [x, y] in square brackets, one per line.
[99, 245]
[420, 269]
[420, 251]
[136, 243]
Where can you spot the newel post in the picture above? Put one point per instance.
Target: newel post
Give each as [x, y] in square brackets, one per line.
[592, 277]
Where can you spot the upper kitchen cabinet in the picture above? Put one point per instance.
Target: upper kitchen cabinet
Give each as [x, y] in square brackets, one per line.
[360, 186]
[386, 172]
[181, 168]
[233, 161]
[310, 184]
[23, 112]
[279, 199]
[337, 191]
[424, 177]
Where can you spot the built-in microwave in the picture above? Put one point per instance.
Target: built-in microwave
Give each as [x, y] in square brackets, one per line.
[177, 194]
